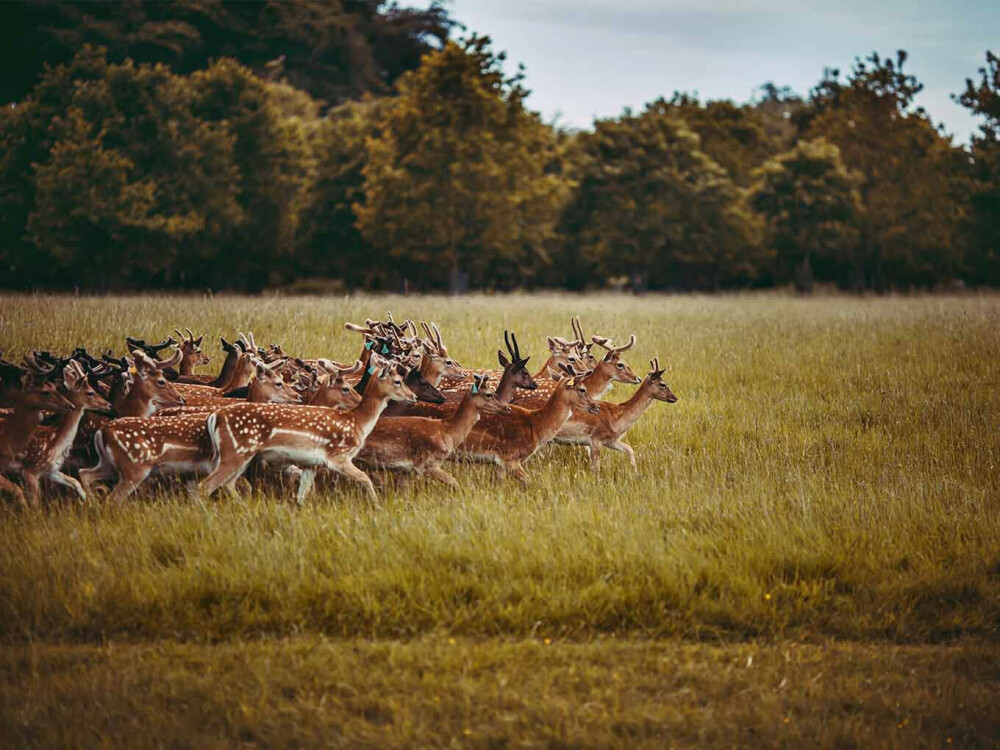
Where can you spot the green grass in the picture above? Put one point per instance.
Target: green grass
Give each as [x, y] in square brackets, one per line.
[831, 471]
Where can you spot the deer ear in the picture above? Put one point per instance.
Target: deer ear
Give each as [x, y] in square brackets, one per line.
[502, 358]
[553, 345]
[197, 341]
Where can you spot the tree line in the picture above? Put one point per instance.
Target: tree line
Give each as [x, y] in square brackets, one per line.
[192, 145]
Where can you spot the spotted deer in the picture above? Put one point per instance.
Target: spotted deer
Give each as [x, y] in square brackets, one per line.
[137, 447]
[308, 437]
[49, 447]
[421, 444]
[606, 428]
[30, 395]
[511, 439]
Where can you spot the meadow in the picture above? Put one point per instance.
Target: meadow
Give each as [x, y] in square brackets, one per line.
[808, 552]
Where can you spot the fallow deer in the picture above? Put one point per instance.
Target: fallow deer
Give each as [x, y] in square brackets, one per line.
[49, 447]
[421, 444]
[133, 448]
[308, 437]
[510, 439]
[606, 428]
[30, 395]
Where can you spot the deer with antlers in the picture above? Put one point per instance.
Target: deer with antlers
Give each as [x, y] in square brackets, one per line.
[511, 439]
[304, 436]
[49, 447]
[610, 370]
[606, 428]
[514, 375]
[421, 444]
[179, 444]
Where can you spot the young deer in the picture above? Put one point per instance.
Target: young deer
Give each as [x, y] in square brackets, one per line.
[136, 447]
[308, 437]
[30, 395]
[420, 444]
[610, 370]
[510, 439]
[49, 447]
[605, 429]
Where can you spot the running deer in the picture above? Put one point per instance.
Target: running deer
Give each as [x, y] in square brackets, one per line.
[510, 439]
[435, 365]
[606, 428]
[49, 447]
[421, 444]
[191, 356]
[514, 375]
[30, 395]
[610, 370]
[136, 447]
[308, 437]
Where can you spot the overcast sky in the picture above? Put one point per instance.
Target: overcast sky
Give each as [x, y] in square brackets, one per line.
[591, 58]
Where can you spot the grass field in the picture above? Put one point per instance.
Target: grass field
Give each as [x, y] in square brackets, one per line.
[823, 500]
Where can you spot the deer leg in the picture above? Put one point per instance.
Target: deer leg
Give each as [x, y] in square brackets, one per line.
[436, 472]
[8, 486]
[618, 445]
[349, 470]
[594, 451]
[306, 478]
[34, 486]
[514, 469]
[229, 469]
[67, 481]
[131, 478]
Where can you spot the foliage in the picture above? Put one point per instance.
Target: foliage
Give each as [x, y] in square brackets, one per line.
[810, 203]
[200, 179]
[333, 50]
[653, 206]
[457, 178]
[982, 98]
[908, 185]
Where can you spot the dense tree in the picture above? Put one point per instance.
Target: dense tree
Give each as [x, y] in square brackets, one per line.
[333, 49]
[458, 180]
[982, 97]
[129, 174]
[652, 206]
[908, 184]
[733, 136]
[809, 202]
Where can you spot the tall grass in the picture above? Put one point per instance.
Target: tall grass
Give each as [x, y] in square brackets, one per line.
[831, 469]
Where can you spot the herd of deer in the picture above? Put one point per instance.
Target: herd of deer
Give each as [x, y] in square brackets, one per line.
[404, 405]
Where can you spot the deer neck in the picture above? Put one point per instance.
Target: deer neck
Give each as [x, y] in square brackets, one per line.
[548, 420]
[630, 410]
[366, 413]
[431, 371]
[505, 389]
[461, 422]
[226, 373]
[187, 366]
[66, 429]
[599, 381]
[134, 405]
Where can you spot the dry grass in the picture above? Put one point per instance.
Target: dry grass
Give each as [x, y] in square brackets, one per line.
[832, 470]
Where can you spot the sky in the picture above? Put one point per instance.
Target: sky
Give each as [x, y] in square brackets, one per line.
[591, 58]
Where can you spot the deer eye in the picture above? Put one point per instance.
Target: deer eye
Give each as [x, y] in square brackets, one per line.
[162, 383]
[582, 390]
[489, 395]
[621, 366]
[279, 385]
[397, 382]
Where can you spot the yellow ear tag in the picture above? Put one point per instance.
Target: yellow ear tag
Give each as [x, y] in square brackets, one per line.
[133, 370]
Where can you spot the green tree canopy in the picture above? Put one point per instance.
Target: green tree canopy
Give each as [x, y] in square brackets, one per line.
[652, 205]
[335, 49]
[809, 202]
[458, 179]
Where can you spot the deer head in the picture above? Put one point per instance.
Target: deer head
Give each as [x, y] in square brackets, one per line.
[515, 366]
[573, 393]
[621, 371]
[436, 362]
[267, 385]
[191, 353]
[485, 400]
[654, 385]
[79, 391]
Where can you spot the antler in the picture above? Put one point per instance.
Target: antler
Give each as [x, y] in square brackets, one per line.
[577, 328]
